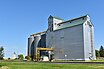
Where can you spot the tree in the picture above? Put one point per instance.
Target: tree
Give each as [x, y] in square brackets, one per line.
[28, 57]
[20, 57]
[101, 51]
[1, 53]
[97, 53]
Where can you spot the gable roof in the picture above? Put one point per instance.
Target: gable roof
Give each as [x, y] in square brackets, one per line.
[69, 23]
[55, 17]
[74, 19]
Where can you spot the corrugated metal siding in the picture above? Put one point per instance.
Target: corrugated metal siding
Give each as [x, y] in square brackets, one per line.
[67, 42]
[88, 41]
[43, 40]
[94, 56]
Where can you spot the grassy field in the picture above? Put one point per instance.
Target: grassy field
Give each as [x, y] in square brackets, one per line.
[33, 65]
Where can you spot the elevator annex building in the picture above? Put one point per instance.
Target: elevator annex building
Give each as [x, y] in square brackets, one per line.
[64, 40]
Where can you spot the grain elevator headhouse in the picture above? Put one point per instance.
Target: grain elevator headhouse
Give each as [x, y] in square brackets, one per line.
[64, 40]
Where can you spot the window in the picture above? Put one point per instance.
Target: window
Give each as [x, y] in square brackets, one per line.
[83, 18]
[59, 25]
[61, 37]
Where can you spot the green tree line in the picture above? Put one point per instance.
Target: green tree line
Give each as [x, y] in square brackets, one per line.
[100, 52]
[1, 53]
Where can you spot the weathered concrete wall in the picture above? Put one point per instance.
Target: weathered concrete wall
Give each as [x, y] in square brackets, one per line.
[30, 44]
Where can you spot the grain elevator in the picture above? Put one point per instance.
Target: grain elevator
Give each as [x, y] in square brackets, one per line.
[65, 40]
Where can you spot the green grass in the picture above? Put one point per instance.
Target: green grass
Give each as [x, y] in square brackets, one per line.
[98, 60]
[33, 65]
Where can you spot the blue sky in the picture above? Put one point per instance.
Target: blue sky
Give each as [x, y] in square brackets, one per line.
[20, 18]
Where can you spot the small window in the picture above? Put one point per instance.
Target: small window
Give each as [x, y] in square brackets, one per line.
[61, 37]
[59, 24]
[83, 18]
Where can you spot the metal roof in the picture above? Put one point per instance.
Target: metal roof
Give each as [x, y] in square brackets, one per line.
[56, 17]
[39, 33]
[73, 19]
[68, 23]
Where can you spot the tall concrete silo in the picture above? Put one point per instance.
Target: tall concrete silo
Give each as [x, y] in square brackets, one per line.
[30, 45]
[37, 43]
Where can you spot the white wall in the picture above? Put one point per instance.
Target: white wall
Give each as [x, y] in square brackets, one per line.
[89, 49]
[55, 22]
